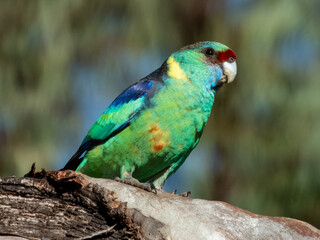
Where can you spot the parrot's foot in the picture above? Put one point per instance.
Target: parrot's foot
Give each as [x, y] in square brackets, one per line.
[134, 182]
[185, 194]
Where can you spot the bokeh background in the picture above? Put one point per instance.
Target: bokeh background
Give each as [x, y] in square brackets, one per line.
[63, 62]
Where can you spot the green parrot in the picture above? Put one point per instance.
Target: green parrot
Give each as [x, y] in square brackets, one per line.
[149, 130]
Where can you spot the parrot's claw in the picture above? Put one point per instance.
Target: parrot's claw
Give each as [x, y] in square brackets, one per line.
[174, 192]
[134, 182]
[185, 194]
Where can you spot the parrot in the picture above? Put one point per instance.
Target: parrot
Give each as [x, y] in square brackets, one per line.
[149, 130]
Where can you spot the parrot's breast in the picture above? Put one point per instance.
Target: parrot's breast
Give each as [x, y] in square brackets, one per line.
[169, 129]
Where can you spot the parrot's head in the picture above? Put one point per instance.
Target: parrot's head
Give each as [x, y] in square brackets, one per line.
[207, 63]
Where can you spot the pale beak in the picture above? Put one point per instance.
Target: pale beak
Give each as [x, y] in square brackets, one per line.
[230, 71]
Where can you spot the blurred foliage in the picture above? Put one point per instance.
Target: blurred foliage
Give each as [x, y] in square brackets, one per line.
[62, 63]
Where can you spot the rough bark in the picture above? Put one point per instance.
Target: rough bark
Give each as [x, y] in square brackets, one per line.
[67, 205]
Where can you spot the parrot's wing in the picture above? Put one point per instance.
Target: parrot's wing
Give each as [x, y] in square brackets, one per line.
[118, 116]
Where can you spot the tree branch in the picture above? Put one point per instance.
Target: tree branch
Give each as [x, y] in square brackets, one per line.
[66, 204]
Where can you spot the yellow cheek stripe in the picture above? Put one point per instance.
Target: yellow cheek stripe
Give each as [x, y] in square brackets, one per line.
[175, 70]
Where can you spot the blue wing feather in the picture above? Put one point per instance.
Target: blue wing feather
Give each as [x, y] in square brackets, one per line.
[134, 92]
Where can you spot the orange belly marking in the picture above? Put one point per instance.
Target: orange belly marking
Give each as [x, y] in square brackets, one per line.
[158, 147]
[159, 138]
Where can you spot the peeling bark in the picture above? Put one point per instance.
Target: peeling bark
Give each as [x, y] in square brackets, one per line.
[68, 205]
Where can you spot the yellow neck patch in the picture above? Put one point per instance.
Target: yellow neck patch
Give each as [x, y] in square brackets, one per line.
[175, 70]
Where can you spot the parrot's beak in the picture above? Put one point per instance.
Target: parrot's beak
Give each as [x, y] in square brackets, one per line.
[229, 74]
[229, 71]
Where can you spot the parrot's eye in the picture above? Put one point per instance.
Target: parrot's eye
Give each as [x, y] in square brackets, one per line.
[231, 60]
[209, 52]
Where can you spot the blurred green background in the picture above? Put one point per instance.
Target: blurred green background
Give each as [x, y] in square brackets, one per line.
[63, 62]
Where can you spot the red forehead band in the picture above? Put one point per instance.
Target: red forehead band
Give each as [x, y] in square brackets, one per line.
[224, 56]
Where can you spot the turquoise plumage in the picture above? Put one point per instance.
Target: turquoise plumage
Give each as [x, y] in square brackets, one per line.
[149, 129]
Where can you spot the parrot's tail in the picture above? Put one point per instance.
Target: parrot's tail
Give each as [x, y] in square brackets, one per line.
[76, 159]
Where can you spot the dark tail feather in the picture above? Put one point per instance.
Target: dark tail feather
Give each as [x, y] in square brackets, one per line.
[74, 161]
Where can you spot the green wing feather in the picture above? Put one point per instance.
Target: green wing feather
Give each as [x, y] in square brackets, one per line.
[117, 116]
